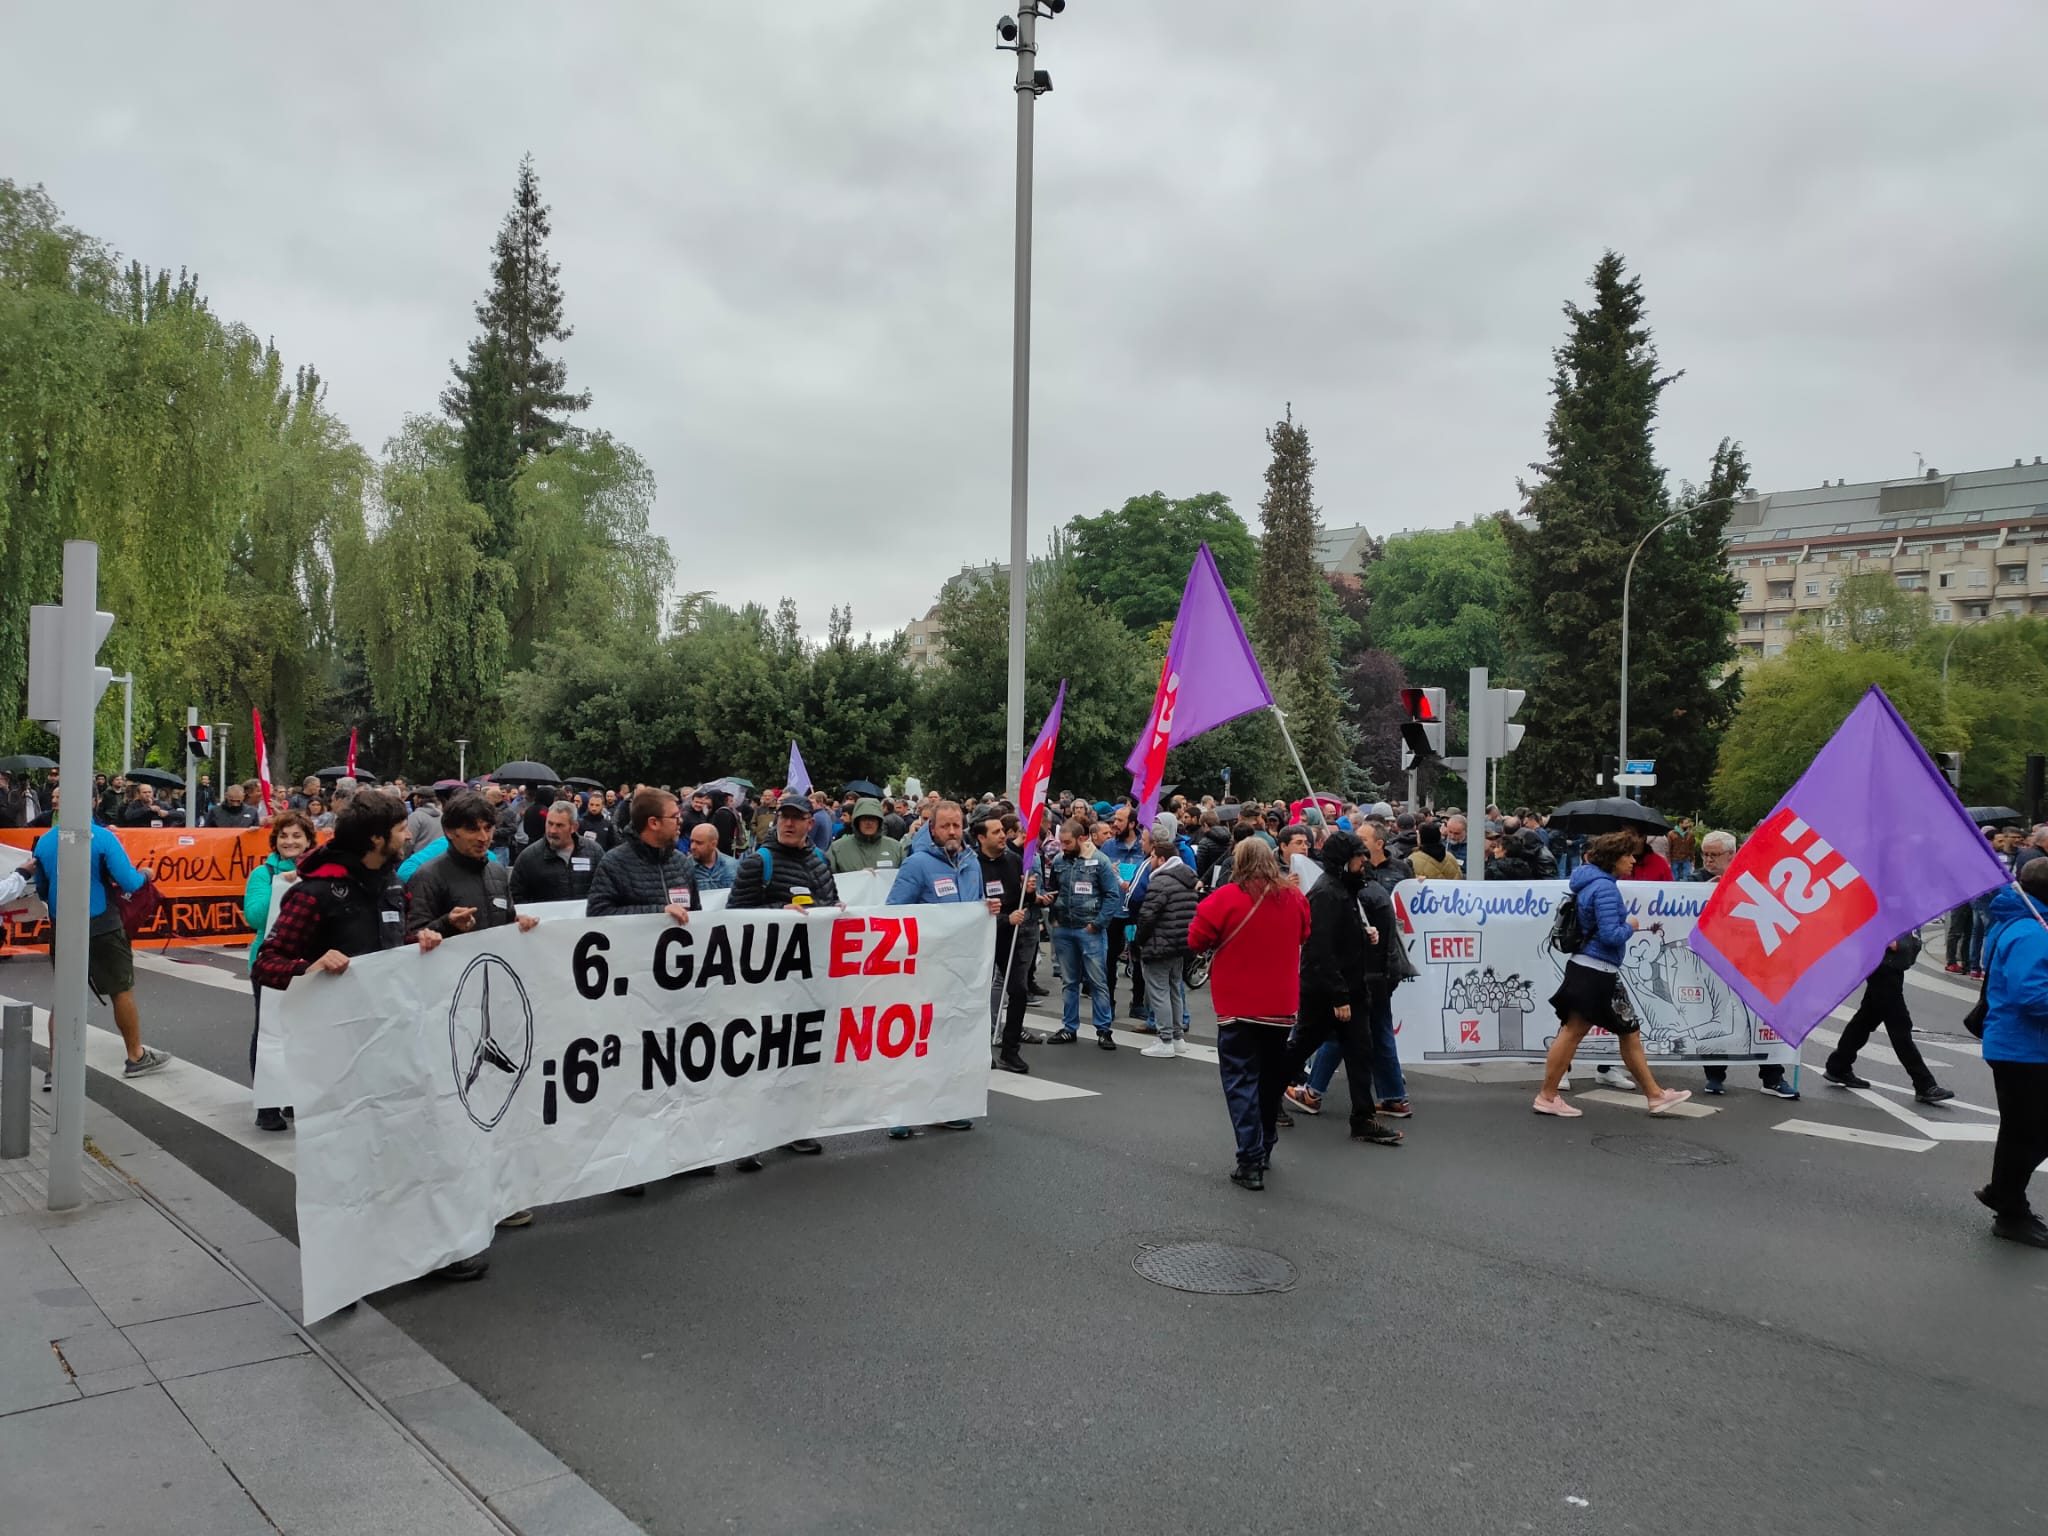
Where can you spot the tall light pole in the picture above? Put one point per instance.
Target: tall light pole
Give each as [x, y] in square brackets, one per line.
[1949, 649]
[127, 682]
[462, 758]
[1020, 36]
[1621, 752]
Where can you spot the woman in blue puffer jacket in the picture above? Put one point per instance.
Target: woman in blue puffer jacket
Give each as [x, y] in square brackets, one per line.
[1591, 996]
[2016, 1050]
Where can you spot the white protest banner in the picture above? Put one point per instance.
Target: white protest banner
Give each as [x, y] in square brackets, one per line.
[439, 1092]
[1488, 972]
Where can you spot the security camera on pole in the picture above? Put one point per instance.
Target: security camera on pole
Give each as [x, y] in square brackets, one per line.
[64, 688]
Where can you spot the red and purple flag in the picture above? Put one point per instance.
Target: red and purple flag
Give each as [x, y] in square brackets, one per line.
[262, 759]
[351, 752]
[1210, 678]
[1869, 844]
[1037, 776]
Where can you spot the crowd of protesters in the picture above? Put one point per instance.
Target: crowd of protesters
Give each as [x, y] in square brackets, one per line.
[1283, 909]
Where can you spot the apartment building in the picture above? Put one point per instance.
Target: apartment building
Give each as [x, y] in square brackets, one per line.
[1976, 543]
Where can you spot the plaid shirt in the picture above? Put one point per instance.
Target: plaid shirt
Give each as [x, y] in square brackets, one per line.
[289, 951]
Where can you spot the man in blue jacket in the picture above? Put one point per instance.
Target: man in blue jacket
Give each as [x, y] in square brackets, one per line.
[109, 962]
[939, 870]
[1087, 896]
[2016, 1050]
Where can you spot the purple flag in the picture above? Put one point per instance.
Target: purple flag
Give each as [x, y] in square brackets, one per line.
[1210, 678]
[1870, 843]
[1036, 777]
[799, 781]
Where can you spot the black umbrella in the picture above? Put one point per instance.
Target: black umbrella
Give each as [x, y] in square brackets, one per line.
[857, 787]
[576, 783]
[27, 762]
[1612, 814]
[525, 772]
[1983, 815]
[343, 771]
[156, 776]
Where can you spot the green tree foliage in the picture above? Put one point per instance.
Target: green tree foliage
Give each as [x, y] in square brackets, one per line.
[1600, 493]
[1797, 700]
[1873, 611]
[1291, 621]
[1998, 697]
[1437, 600]
[1136, 559]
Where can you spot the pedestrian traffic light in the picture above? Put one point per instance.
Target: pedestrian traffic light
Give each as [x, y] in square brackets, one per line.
[198, 743]
[46, 657]
[1501, 704]
[1422, 731]
[1952, 768]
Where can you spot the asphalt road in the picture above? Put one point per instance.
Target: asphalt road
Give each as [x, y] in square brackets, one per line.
[1614, 1324]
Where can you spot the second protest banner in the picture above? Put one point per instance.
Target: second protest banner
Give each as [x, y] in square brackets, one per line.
[1488, 971]
[439, 1092]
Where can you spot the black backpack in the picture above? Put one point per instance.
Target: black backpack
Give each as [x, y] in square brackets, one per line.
[1566, 936]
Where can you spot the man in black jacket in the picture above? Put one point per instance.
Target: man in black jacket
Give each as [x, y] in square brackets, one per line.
[787, 873]
[465, 888]
[1004, 882]
[561, 865]
[1344, 978]
[647, 872]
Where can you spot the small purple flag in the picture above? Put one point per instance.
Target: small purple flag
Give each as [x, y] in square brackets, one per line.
[1869, 844]
[799, 781]
[1210, 678]
[1037, 776]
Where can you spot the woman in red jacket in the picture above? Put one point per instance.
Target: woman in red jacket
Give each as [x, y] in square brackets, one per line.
[1257, 925]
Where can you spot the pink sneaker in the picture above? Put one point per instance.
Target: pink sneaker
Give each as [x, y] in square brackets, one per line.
[1670, 1098]
[1556, 1106]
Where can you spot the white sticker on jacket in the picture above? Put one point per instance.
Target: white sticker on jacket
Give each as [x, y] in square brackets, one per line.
[945, 886]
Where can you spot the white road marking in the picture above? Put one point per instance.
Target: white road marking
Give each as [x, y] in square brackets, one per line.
[1037, 1089]
[1691, 1110]
[1936, 984]
[1850, 1133]
[1874, 1052]
[192, 970]
[220, 1104]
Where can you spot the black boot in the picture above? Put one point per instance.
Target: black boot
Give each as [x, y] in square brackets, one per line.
[270, 1120]
[1010, 1061]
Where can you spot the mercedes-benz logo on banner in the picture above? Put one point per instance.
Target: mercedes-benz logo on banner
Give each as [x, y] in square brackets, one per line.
[490, 1038]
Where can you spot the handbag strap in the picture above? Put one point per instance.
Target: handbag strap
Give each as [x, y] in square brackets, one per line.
[1240, 928]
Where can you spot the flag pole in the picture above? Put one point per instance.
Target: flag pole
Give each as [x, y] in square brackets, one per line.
[1292, 749]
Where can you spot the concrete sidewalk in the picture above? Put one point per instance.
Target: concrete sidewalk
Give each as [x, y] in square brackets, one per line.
[154, 1378]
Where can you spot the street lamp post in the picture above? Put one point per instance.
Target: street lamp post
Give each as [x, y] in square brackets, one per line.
[1621, 750]
[1949, 649]
[127, 682]
[462, 758]
[1020, 36]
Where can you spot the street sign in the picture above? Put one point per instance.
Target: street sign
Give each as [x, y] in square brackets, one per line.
[1641, 780]
[1642, 765]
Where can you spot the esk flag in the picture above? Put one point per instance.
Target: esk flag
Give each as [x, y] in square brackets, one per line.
[1210, 677]
[1869, 843]
[799, 780]
[1037, 777]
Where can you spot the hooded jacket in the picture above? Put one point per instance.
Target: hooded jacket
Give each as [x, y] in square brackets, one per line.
[853, 851]
[1602, 917]
[2016, 993]
[337, 904]
[1339, 960]
[1167, 911]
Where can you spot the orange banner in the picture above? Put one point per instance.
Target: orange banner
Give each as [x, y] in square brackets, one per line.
[201, 874]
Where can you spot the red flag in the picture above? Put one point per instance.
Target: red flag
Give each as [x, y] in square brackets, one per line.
[1037, 777]
[351, 752]
[262, 759]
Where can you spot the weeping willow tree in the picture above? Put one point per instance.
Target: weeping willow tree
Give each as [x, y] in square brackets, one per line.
[427, 603]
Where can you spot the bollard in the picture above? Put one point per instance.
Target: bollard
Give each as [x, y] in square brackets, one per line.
[15, 1030]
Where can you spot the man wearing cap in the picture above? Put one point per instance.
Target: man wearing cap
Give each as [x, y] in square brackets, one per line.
[787, 872]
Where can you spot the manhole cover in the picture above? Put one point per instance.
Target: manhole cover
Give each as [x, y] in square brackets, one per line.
[1662, 1149]
[1215, 1269]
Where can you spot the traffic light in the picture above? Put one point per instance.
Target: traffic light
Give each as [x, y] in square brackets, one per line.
[1952, 769]
[46, 663]
[1504, 735]
[1422, 732]
[198, 743]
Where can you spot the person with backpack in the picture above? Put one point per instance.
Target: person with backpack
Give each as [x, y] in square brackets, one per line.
[2015, 1033]
[1593, 927]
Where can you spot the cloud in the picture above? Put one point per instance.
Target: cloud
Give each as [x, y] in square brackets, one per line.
[785, 238]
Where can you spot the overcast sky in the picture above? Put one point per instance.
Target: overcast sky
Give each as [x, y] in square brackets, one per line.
[785, 234]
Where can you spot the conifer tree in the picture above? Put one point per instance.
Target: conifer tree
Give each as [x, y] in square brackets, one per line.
[1294, 636]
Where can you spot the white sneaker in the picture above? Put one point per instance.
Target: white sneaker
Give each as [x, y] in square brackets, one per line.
[1617, 1077]
[1160, 1051]
[1180, 1047]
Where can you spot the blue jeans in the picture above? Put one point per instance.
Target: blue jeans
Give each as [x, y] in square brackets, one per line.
[1387, 1082]
[1080, 953]
[1980, 927]
[1681, 872]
